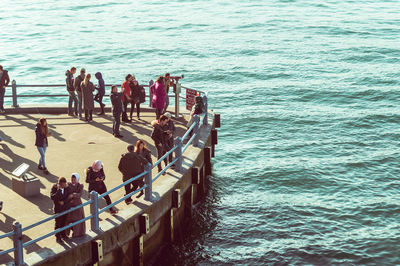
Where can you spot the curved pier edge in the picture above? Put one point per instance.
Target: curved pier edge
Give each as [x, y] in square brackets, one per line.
[136, 234]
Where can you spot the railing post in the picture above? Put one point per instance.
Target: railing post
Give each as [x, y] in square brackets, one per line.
[196, 131]
[94, 211]
[177, 91]
[178, 154]
[19, 251]
[149, 182]
[151, 82]
[14, 93]
[205, 100]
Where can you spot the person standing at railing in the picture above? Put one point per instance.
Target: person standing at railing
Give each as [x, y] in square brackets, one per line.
[4, 81]
[61, 196]
[41, 142]
[169, 130]
[130, 165]
[136, 91]
[77, 84]
[71, 90]
[159, 139]
[76, 190]
[126, 96]
[117, 107]
[158, 101]
[95, 177]
[87, 95]
[167, 82]
[101, 90]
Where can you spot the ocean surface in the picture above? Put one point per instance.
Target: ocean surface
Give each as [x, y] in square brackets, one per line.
[307, 165]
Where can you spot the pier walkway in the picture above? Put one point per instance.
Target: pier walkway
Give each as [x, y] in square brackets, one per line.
[73, 146]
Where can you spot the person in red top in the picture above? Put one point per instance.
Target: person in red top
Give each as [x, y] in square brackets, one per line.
[126, 96]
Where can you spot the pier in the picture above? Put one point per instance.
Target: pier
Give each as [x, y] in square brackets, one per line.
[132, 236]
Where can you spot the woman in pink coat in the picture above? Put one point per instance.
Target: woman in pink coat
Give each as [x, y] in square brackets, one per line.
[158, 101]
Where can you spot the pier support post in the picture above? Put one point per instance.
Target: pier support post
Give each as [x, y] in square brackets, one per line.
[205, 101]
[17, 238]
[149, 182]
[170, 224]
[94, 211]
[207, 161]
[214, 141]
[189, 200]
[196, 131]
[151, 82]
[138, 251]
[14, 93]
[217, 119]
[195, 175]
[178, 154]
[176, 198]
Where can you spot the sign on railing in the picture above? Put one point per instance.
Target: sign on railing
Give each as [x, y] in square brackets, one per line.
[190, 101]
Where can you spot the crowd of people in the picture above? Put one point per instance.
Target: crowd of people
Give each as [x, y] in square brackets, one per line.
[66, 195]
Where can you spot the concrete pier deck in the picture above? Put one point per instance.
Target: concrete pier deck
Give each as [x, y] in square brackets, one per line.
[73, 146]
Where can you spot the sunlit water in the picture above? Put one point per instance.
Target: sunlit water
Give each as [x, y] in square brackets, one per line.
[307, 162]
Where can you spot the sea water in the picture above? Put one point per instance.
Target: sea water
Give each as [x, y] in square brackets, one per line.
[307, 163]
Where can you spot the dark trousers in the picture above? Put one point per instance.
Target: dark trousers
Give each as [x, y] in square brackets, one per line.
[168, 146]
[99, 98]
[124, 113]
[159, 112]
[61, 222]
[2, 92]
[133, 185]
[137, 108]
[116, 123]
[102, 189]
[160, 153]
[88, 115]
[72, 99]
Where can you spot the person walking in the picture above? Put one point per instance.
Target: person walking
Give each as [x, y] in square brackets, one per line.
[169, 129]
[95, 177]
[101, 90]
[61, 196]
[159, 139]
[117, 107]
[158, 101]
[87, 95]
[130, 165]
[4, 81]
[141, 149]
[76, 190]
[41, 142]
[69, 80]
[136, 91]
[77, 84]
[126, 96]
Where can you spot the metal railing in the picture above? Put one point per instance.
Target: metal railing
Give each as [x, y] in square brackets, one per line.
[14, 94]
[178, 148]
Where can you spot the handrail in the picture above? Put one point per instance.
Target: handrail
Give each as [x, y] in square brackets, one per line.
[178, 149]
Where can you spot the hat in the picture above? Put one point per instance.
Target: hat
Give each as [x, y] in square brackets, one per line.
[167, 114]
[76, 177]
[97, 165]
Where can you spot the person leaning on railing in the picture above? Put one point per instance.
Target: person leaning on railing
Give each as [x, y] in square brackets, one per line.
[76, 190]
[101, 90]
[95, 177]
[159, 139]
[117, 108]
[88, 99]
[130, 165]
[126, 96]
[77, 85]
[61, 195]
[158, 101]
[4, 81]
[137, 97]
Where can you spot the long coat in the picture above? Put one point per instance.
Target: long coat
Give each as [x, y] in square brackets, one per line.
[158, 100]
[87, 95]
[79, 229]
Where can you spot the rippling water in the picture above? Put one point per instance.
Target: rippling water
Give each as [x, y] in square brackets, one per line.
[307, 165]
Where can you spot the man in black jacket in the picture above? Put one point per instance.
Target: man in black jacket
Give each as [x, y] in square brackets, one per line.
[61, 196]
[117, 108]
[69, 80]
[158, 135]
[4, 81]
[77, 85]
[131, 165]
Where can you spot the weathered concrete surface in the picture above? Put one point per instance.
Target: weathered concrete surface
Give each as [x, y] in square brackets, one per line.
[74, 145]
